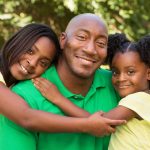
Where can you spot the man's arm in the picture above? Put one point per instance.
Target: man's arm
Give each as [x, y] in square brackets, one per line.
[16, 109]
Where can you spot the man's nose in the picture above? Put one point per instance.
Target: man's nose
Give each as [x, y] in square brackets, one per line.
[90, 47]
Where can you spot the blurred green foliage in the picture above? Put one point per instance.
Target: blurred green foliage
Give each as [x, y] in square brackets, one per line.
[129, 16]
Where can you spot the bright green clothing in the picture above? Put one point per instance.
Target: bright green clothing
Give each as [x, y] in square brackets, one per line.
[13, 137]
[101, 96]
[135, 135]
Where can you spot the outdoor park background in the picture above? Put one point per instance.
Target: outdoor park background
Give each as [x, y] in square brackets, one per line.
[129, 16]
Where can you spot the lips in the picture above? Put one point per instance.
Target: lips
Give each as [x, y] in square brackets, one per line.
[86, 59]
[25, 70]
[122, 86]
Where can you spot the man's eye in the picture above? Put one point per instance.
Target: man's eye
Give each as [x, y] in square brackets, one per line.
[81, 37]
[30, 52]
[101, 44]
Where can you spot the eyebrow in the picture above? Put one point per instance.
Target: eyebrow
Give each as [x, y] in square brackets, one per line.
[100, 36]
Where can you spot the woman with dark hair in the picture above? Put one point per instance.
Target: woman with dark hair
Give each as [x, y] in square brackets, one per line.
[22, 44]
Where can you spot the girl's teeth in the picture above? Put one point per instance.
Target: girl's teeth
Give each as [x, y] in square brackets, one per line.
[23, 69]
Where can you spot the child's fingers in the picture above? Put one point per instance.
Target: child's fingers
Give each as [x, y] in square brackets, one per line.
[42, 82]
[41, 89]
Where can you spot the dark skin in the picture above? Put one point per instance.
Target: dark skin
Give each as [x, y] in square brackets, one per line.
[79, 41]
[128, 73]
[70, 109]
[47, 122]
[31, 119]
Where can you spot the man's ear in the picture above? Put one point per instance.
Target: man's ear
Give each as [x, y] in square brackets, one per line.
[62, 40]
[148, 74]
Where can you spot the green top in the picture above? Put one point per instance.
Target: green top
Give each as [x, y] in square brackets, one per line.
[101, 96]
[14, 137]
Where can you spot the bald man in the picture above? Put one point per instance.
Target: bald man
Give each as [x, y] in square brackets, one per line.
[84, 48]
[78, 77]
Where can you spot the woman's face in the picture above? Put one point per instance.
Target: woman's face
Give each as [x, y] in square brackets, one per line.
[35, 61]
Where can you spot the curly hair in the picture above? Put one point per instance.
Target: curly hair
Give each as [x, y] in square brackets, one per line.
[118, 42]
[143, 47]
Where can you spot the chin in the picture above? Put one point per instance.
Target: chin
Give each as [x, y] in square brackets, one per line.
[124, 94]
[85, 75]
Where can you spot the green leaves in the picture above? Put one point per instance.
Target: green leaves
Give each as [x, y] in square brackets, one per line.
[130, 17]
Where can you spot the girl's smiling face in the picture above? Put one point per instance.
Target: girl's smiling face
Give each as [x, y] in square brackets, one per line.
[35, 61]
[130, 74]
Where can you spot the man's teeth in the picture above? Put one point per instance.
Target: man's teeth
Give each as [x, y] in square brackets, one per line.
[24, 69]
[86, 60]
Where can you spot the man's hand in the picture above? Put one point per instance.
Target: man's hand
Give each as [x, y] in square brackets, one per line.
[100, 126]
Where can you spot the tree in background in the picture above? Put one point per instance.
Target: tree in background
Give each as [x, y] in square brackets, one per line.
[129, 16]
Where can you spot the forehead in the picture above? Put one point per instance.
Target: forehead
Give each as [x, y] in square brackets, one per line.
[45, 47]
[126, 59]
[91, 25]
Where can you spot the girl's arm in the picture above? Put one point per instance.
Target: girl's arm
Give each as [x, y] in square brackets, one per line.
[121, 112]
[51, 92]
[16, 109]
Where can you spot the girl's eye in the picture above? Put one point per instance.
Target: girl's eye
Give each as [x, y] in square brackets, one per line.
[131, 72]
[114, 73]
[44, 64]
[30, 51]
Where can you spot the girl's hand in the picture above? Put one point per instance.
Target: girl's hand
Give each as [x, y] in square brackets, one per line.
[47, 89]
[51, 92]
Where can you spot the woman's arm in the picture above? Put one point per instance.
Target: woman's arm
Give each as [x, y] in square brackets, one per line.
[52, 94]
[15, 108]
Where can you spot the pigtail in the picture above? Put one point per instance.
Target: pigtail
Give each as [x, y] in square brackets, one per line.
[116, 43]
[143, 46]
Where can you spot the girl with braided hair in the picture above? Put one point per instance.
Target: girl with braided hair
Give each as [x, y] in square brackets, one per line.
[130, 65]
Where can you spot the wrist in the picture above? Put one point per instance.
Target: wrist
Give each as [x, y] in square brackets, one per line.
[84, 126]
[57, 99]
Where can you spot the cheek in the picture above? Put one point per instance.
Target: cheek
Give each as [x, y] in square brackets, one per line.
[102, 53]
[13, 70]
[113, 80]
[40, 70]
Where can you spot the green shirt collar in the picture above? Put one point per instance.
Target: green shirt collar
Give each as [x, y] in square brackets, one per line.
[52, 75]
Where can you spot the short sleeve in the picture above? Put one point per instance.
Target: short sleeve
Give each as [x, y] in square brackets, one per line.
[138, 102]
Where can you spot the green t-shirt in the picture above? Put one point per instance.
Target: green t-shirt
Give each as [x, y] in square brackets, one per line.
[101, 96]
[14, 137]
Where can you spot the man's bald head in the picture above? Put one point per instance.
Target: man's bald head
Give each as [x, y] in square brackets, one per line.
[85, 18]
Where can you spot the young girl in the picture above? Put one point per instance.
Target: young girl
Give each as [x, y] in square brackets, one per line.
[130, 65]
[27, 54]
